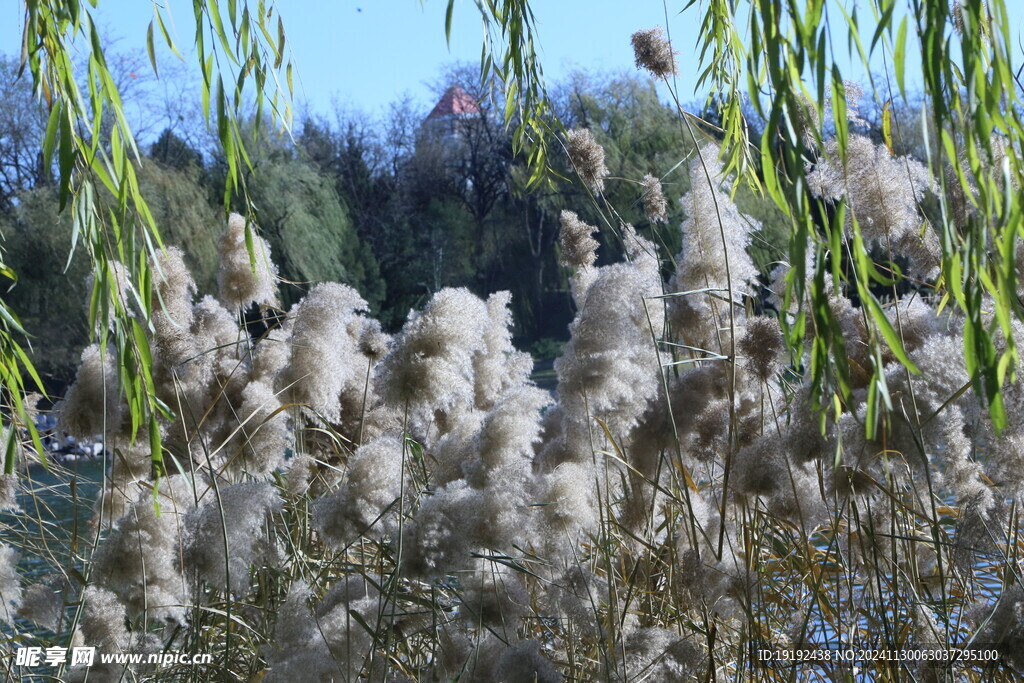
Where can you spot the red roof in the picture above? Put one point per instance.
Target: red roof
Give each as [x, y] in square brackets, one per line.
[455, 101]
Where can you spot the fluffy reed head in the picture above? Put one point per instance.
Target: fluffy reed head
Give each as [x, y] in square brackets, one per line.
[175, 287]
[10, 585]
[579, 249]
[8, 491]
[227, 534]
[655, 205]
[430, 366]
[654, 53]
[587, 157]
[92, 405]
[241, 281]
[325, 331]
[762, 344]
[884, 193]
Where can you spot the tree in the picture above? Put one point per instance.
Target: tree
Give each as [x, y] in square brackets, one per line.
[178, 201]
[172, 151]
[50, 292]
[309, 230]
[22, 125]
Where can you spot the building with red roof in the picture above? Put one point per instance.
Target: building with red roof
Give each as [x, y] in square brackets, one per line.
[450, 113]
[455, 102]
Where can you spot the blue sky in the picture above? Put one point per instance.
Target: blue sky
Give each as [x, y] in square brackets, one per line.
[368, 53]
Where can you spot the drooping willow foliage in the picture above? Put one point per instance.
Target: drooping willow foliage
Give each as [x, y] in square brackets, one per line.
[90, 143]
[781, 58]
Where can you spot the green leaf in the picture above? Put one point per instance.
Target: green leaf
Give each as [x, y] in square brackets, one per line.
[280, 43]
[871, 416]
[250, 246]
[218, 29]
[14, 384]
[150, 50]
[10, 451]
[510, 100]
[156, 446]
[10, 322]
[167, 36]
[839, 112]
[997, 411]
[26, 363]
[448, 23]
[885, 327]
[900, 56]
[142, 344]
[66, 158]
[887, 125]
[52, 126]
[884, 22]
